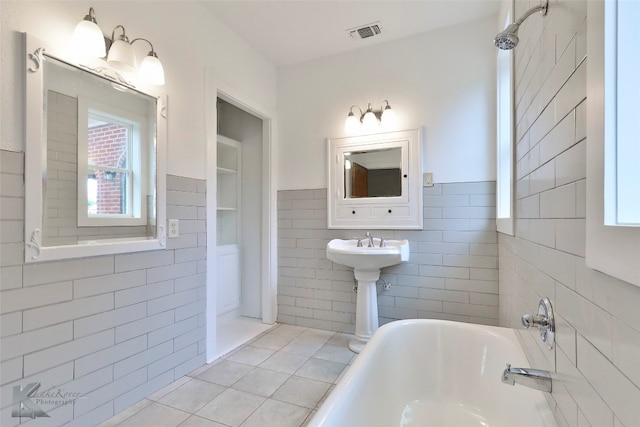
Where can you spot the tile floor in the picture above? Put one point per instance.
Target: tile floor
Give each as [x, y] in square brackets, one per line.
[278, 379]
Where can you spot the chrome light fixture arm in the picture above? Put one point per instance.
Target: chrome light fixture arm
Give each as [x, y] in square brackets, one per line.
[123, 36]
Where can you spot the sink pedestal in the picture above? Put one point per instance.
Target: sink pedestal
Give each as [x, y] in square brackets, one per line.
[366, 308]
[366, 263]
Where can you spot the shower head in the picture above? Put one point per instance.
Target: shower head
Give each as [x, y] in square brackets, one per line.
[508, 38]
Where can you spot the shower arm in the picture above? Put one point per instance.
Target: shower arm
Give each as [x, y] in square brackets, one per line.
[528, 13]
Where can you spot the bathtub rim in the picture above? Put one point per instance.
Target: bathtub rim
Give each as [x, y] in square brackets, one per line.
[350, 375]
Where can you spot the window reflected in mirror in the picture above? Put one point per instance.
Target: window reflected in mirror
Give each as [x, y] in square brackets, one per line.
[99, 180]
[374, 173]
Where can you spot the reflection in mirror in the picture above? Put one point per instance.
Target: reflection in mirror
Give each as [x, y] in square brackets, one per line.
[373, 173]
[99, 175]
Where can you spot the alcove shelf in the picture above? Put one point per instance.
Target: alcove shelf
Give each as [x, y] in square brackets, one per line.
[228, 190]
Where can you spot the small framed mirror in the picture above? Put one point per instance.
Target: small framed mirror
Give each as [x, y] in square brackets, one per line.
[374, 181]
[94, 162]
[373, 173]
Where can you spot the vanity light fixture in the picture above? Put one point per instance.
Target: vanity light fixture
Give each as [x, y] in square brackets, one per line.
[89, 41]
[121, 55]
[370, 119]
[87, 37]
[388, 115]
[353, 123]
[151, 67]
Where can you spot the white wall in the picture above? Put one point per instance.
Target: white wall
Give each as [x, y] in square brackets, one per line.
[186, 37]
[443, 80]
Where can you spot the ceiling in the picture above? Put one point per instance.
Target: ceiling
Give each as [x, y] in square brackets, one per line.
[294, 31]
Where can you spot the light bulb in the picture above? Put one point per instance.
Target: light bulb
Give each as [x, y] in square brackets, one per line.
[388, 117]
[369, 121]
[151, 70]
[352, 123]
[87, 37]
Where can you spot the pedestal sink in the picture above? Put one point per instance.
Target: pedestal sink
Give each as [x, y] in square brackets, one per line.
[366, 263]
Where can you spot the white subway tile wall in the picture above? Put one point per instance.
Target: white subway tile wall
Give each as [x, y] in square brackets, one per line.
[597, 357]
[452, 272]
[113, 328]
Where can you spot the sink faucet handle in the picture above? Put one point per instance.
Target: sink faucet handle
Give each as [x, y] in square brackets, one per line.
[359, 239]
[382, 242]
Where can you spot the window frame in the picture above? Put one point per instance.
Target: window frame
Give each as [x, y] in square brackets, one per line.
[138, 147]
[505, 139]
[621, 151]
[614, 250]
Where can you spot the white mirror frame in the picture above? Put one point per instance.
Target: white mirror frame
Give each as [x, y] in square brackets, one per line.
[402, 212]
[35, 162]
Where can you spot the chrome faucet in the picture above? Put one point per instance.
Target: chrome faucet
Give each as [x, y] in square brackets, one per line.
[370, 237]
[532, 378]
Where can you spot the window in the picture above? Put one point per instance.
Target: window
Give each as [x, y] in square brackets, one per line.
[622, 106]
[504, 149]
[613, 219]
[111, 182]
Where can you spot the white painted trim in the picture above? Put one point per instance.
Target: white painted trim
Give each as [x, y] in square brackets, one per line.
[214, 88]
[612, 250]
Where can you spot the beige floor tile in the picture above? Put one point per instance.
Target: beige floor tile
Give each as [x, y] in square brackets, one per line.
[196, 421]
[317, 334]
[201, 369]
[340, 339]
[274, 413]
[284, 362]
[192, 395]
[232, 407]
[309, 417]
[303, 346]
[168, 389]
[326, 395]
[271, 341]
[290, 331]
[334, 353]
[261, 381]
[225, 373]
[154, 415]
[321, 370]
[301, 391]
[251, 355]
[120, 417]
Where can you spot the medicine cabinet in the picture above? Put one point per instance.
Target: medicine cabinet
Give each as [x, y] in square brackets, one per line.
[374, 181]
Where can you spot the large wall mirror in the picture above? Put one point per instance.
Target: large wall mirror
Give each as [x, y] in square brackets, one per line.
[374, 181]
[95, 162]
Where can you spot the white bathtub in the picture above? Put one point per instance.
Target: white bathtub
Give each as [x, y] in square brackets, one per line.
[431, 373]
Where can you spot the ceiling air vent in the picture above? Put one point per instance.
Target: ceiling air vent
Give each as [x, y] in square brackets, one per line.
[365, 31]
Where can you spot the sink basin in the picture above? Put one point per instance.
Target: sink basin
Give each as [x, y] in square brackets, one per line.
[346, 252]
[366, 263]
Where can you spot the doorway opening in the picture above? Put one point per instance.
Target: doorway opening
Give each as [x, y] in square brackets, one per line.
[238, 226]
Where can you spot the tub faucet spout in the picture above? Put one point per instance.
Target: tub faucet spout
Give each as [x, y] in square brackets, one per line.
[532, 378]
